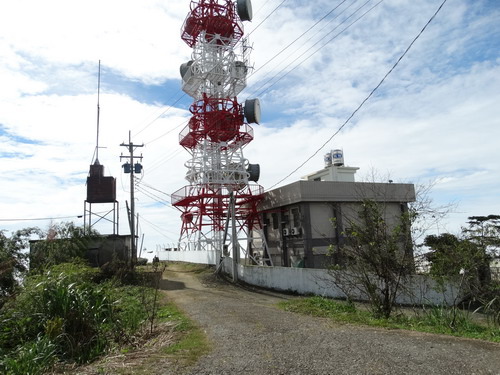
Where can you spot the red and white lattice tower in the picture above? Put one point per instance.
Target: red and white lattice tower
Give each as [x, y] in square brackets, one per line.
[219, 206]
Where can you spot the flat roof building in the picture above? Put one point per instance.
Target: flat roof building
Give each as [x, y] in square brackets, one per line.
[299, 218]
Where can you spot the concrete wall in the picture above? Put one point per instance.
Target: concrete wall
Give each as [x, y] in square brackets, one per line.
[201, 257]
[418, 290]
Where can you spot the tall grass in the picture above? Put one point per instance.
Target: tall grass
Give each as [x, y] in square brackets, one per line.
[33, 357]
[63, 315]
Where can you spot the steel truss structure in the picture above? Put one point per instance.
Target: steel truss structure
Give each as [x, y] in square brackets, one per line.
[219, 206]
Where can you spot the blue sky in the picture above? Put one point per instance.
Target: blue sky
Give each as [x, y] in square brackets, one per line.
[435, 118]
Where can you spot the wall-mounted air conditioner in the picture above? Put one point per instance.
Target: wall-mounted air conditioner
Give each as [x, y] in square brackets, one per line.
[286, 232]
[296, 231]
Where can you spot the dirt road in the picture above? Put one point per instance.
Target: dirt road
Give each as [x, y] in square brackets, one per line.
[251, 336]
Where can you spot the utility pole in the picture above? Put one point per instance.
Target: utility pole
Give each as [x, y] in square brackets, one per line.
[130, 167]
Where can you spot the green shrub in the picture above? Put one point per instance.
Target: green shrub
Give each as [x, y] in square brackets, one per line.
[66, 311]
[34, 357]
[65, 306]
[76, 314]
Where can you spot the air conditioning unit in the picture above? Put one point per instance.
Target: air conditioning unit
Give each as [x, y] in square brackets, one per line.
[296, 231]
[286, 232]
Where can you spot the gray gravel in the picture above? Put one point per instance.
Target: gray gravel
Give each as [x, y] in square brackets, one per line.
[251, 336]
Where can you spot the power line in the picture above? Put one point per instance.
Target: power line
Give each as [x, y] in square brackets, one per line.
[47, 218]
[168, 132]
[367, 98]
[151, 187]
[317, 50]
[161, 114]
[158, 229]
[304, 33]
[154, 197]
[160, 162]
[265, 19]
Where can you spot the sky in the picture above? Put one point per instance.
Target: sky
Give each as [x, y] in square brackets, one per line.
[433, 120]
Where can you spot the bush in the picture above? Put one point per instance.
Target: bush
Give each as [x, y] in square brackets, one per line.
[67, 308]
[65, 311]
[33, 357]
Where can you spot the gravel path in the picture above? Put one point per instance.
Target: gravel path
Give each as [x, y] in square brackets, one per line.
[251, 336]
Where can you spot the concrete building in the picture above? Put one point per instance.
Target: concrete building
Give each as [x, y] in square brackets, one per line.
[298, 217]
[98, 251]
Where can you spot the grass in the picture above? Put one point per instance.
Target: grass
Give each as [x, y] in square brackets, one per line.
[435, 320]
[182, 348]
[191, 341]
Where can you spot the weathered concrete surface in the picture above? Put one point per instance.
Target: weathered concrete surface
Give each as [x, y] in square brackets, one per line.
[251, 336]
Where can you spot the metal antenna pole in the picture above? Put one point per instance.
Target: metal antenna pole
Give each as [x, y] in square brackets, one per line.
[98, 112]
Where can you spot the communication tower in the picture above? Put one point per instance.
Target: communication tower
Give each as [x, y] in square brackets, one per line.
[219, 206]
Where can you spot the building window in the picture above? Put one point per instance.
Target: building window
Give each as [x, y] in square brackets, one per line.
[296, 217]
[275, 221]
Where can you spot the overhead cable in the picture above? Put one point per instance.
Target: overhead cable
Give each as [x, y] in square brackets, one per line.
[154, 197]
[155, 189]
[157, 229]
[301, 35]
[167, 132]
[366, 99]
[161, 114]
[43, 218]
[317, 50]
[265, 19]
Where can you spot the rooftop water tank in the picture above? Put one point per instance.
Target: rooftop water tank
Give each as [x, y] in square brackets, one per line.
[338, 158]
[328, 159]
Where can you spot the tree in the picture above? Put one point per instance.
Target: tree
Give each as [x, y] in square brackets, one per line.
[485, 231]
[452, 256]
[470, 254]
[376, 257]
[13, 260]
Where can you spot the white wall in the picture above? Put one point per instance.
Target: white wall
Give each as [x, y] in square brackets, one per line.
[202, 257]
[419, 290]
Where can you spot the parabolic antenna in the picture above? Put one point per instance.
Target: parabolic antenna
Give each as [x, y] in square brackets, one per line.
[253, 172]
[185, 67]
[244, 8]
[252, 111]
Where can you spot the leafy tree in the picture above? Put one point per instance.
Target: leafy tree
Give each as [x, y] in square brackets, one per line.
[469, 255]
[13, 260]
[376, 258]
[485, 232]
[452, 256]
[471, 252]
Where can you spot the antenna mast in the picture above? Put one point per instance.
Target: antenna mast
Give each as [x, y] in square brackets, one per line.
[98, 112]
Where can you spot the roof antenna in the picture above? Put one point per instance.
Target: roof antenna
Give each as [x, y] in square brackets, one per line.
[98, 113]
